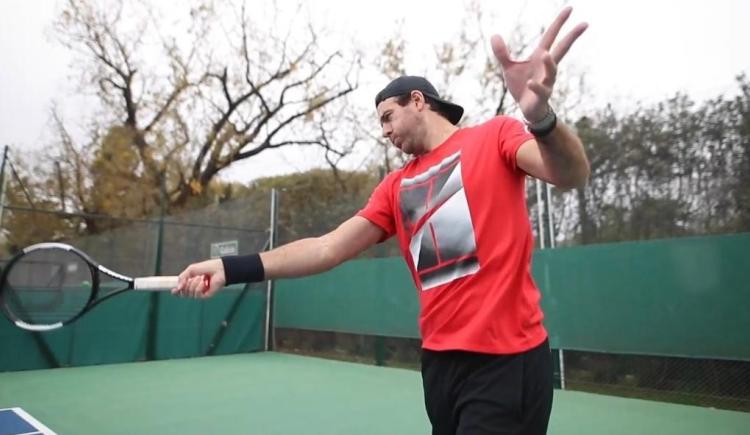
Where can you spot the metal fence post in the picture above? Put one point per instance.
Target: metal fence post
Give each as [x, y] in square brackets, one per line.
[2, 185]
[272, 231]
[153, 317]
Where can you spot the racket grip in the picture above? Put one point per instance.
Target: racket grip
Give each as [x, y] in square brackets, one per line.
[206, 283]
[155, 283]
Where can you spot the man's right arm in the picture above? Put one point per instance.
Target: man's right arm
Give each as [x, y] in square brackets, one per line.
[302, 257]
[314, 255]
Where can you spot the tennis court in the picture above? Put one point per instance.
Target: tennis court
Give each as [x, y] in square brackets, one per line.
[276, 393]
[664, 320]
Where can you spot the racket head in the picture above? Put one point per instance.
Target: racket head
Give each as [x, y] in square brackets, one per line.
[47, 285]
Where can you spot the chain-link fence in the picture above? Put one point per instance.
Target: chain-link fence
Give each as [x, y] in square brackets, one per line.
[714, 383]
[312, 209]
[139, 247]
[150, 325]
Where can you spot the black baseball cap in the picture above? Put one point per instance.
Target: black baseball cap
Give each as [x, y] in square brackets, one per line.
[405, 84]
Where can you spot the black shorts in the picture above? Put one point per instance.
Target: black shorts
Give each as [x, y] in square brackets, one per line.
[469, 393]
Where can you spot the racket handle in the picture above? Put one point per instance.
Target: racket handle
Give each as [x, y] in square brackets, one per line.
[155, 283]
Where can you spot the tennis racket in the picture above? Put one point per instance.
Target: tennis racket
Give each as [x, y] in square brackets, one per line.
[49, 285]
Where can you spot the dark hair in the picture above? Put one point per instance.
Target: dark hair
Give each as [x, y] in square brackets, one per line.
[435, 106]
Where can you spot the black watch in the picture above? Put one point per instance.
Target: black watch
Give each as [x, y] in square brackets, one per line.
[544, 126]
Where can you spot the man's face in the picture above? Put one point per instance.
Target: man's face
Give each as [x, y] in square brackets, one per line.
[400, 124]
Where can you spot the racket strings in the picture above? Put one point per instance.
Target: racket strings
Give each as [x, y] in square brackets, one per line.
[47, 286]
[45, 306]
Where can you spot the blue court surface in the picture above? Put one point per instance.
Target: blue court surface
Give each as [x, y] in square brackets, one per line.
[16, 421]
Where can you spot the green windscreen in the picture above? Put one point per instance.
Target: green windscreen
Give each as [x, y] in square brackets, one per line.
[374, 296]
[117, 331]
[679, 297]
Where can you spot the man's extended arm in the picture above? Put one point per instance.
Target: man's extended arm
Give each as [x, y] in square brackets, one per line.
[315, 255]
[299, 258]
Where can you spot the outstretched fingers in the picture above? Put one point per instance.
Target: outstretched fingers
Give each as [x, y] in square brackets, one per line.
[549, 36]
[501, 51]
[561, 49]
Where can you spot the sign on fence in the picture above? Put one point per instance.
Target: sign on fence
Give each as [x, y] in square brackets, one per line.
[220, 249]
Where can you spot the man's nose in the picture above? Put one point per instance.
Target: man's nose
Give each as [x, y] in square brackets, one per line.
[387, 130]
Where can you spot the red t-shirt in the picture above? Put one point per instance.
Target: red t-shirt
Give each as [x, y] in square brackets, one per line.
[460, 216]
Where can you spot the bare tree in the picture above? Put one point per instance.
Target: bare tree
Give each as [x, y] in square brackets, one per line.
[188, 107]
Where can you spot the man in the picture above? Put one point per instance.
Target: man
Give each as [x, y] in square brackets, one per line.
[458, 210]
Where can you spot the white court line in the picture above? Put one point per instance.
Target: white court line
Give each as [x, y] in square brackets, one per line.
[31, 420]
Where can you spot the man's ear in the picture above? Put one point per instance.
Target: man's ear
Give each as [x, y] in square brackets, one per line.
[418, 99]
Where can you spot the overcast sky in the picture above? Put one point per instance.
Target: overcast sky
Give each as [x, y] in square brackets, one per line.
[635, 50]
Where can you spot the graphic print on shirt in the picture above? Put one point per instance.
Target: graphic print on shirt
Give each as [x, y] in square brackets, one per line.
[436, 216]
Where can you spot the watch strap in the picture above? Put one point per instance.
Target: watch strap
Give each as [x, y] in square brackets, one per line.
[544, 126]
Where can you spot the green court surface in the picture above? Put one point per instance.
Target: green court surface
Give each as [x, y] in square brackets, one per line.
[273, 393]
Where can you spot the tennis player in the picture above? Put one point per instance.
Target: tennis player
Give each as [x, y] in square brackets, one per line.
[459, 213]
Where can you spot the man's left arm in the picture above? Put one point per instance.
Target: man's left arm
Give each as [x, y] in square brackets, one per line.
[557, 158]
[556, 154]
